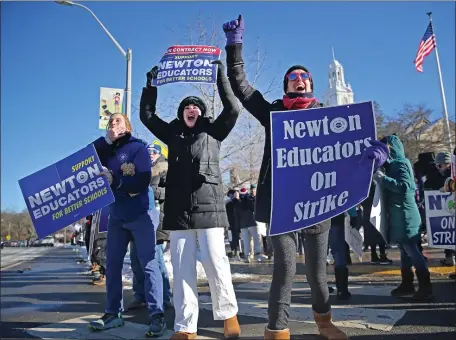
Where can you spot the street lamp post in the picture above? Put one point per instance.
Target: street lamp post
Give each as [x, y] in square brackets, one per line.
[127, 55]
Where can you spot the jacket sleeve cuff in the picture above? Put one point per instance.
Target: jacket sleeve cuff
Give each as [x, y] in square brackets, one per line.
[234, 54]
[108, 140]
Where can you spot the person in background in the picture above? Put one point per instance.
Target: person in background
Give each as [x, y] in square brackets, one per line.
[88, 230]
[98, 255]
[443, 165]
[232, 213]
[338, 249]
[249, 227]
[100, 258]
[127, 168]
[450, 186]
[156, 196]
[195, 210]
[404, 221]
[158, 186]
[372, 236]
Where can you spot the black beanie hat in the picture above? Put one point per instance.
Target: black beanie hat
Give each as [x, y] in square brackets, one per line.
[291, 69]
[191, 100]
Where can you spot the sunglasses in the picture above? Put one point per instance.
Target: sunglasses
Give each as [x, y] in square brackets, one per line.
[303, 75]
[153, 151]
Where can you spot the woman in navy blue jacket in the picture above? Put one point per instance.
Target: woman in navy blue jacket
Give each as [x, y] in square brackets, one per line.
[127, 166]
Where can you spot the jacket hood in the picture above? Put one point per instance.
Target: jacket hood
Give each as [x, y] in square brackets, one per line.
[396, 148]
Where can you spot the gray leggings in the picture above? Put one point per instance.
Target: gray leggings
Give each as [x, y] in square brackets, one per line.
[315, 250]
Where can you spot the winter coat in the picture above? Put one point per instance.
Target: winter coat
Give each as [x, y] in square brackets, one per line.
[158, 183]
[254, 102]
[130, 192]
[247, 212]
[398, 185]
[437, 180]
[194, 197]
[232, 212]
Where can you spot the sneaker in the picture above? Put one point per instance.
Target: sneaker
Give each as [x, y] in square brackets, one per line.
[136, 304]
[247, 259]
[157, 326]
[107, 321]
[384, 260]
[375, 260]
[260, 257]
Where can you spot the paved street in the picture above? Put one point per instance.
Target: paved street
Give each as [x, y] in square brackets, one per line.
[14, 255]
[51, 297]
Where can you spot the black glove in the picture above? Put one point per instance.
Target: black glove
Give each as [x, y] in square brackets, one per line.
[152, 74]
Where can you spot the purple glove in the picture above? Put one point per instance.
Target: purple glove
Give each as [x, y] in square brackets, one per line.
[377, 151]
[234, 30]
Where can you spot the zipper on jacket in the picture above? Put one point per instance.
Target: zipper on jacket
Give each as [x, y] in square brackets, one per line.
[266, 172]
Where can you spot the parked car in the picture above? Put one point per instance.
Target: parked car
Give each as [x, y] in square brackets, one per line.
[48, 241]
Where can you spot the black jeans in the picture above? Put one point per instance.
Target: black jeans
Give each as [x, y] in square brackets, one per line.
[235, 237]
[315, 249]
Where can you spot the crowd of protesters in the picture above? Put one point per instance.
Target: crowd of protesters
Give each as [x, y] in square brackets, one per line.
[196, 213]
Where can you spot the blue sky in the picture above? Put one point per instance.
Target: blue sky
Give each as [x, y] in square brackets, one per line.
[55, 58]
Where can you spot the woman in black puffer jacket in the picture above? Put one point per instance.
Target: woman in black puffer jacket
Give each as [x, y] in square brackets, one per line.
[194, 208]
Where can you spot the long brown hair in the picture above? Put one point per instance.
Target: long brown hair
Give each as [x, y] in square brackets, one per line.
[127, 122]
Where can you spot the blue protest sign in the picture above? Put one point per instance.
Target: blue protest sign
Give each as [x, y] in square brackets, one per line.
[316, 170]
[66, 191]
[440, 219]
[188, 64]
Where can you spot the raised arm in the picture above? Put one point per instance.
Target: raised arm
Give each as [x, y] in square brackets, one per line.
[251, 98]
[147, 109]
[225, 122]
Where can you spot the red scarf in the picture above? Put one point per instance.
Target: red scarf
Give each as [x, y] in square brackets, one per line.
[297, 102]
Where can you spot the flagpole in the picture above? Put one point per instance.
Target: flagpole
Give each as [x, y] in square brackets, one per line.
[442, 91]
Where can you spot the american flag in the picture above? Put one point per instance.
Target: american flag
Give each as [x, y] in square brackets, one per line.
[427, 44]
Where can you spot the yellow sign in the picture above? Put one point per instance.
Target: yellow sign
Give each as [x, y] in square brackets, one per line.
[8, 237]
[163, 147]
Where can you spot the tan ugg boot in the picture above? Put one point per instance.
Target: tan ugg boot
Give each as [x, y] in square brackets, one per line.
[276, 335]
[231, 329]
[327, 328]
[183, 336]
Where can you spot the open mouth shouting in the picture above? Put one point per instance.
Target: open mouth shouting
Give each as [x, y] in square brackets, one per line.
[191, 114]
[300, 88]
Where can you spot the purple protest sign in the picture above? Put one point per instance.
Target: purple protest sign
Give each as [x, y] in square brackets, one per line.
[188, 64]
[316, 170]
[66, 191]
